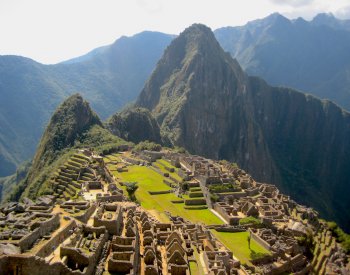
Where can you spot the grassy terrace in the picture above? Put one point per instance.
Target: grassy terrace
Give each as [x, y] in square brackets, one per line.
[238, 244]
[149, 180]
[161, 164]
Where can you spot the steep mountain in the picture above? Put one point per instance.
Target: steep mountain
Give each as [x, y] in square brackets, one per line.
[73, 125]
[203, 101]
[109, 77]
[311, 56]
[135, 125]
[8, 183]
[329, 20]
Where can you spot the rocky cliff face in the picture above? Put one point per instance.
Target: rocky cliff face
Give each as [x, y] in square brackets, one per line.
[204, 102]
[135, 125]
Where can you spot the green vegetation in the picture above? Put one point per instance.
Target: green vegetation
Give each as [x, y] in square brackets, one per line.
[131, 188]
[178, 149]
[101, 140]
[8, 183]
[149, 180]
[250, 220]
[30, 91]
[38, 181]
[58, 144]
[231, 164]
[341, 236]
[238, 244]
[224, 187]
[196, 268]
[214, 197]
[147, 145]
[162, 163]
[127, 125]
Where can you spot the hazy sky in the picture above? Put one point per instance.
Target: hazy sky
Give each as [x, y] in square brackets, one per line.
[50, 31]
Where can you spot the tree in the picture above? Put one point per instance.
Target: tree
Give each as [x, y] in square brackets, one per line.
[131, 188]
[248, 239]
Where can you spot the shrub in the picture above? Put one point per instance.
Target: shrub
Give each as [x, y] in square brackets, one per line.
[148, 145]
[214, 197]
[185, 186]
[131, 188]
[249, 220]
[340, 235]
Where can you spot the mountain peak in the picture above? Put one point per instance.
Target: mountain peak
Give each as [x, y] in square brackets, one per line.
[191, 57]
[70, 120]
[198, 29]
[194, 71]
[324, 16]
[276, 16]
[198, 37]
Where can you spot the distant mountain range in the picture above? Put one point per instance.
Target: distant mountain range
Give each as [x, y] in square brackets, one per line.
[109, 77]
[205, 102]
[312, 56]
[309, 56]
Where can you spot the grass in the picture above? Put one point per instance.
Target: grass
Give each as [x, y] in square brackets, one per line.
[111, 158]
[196, 268]
[149, 180]
[238, 244]
[161, 163]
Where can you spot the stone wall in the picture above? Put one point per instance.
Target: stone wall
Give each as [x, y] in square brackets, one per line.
[25, 265]
[160, 192]
[260, 240]
[55, 241]
[110, 198]
[231, 220]
[94, 185]
[114, 225]
[85, 217]
[195, 201]
[235, 195]
[44, 228]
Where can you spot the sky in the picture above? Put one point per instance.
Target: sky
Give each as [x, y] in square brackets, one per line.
[51, 31]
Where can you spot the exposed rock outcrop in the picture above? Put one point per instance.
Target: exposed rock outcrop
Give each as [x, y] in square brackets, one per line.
[204, 102]
[135, 124]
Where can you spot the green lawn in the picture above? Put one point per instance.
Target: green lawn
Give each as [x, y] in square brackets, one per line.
[161, 163]
[238, 244]
[149, 180]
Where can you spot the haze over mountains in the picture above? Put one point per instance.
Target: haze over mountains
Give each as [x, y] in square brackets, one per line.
[108, 77]
[310, 56]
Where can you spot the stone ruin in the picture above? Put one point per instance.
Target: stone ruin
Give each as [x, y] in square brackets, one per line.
[61, 234]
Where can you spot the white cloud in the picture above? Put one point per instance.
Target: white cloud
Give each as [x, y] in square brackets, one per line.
[55, 30]
[293, 3]
[151, 6]
[343, 13]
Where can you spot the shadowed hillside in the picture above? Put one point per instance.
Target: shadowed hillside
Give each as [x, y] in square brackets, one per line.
[204, 102]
